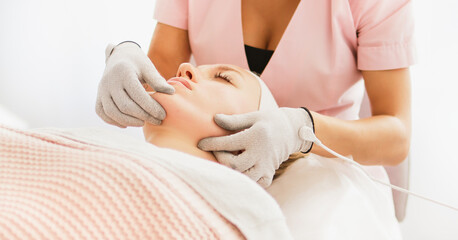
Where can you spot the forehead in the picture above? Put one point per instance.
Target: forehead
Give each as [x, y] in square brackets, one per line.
[249, 85]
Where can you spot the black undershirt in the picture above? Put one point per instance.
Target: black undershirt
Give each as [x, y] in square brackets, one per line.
[257, 58]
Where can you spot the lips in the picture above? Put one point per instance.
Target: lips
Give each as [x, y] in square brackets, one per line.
[181, 80]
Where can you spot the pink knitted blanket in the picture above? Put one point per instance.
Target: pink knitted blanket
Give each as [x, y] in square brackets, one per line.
[52, 187]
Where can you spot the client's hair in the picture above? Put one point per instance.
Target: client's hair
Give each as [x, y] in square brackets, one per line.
[292, 158]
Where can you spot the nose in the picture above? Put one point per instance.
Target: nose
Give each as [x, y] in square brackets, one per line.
[187, 70]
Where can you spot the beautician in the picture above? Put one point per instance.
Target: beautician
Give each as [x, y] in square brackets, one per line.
[317, 57]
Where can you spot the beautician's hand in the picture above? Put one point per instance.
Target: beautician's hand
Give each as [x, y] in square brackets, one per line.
[268, 139]
[121, 98]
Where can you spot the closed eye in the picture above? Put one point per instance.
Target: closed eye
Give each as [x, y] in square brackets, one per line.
[223, 76]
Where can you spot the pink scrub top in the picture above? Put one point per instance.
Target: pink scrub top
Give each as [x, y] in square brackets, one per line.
[318, 62]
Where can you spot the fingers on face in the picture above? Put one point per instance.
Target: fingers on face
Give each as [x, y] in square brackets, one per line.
[261, 175]
[240, 162]
[236, 122]
[152, 77]
[265, 181]
[137, 93]
[127, 105]
[234, 142]
[112, 111]
[99, 110]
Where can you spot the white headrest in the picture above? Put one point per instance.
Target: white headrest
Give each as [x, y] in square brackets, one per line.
[267, 101]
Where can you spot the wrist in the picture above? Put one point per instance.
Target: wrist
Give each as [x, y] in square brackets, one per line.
[309, 122]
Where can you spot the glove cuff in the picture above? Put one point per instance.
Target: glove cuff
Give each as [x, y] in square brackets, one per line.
[307, 145]
[110, 48]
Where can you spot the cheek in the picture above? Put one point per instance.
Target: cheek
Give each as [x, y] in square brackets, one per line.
[247, 102]
[189, 114]
[225, 102]
[194, 112]
[178, 108]
[224, 99]
[233, 102]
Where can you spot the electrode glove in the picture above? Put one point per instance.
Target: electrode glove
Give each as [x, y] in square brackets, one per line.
[267, 137]
[121, 98]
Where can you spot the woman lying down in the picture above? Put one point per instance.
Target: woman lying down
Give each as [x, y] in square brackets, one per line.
[93, 184]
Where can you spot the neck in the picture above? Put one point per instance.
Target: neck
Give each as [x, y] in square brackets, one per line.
[171, 138]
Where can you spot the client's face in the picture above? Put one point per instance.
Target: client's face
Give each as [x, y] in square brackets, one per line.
[203, 91]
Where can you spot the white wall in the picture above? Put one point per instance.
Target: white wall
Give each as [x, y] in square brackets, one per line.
[434, 140]
[52, 58]
[52, 55]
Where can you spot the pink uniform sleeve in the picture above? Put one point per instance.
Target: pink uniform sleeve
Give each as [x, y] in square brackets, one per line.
[385, 33]
[172, 12]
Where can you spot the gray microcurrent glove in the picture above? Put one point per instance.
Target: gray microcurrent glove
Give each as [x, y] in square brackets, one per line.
[121, 98]
[268, 138]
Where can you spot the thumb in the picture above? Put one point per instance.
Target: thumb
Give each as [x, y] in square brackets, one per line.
[152, 77]
[265, 181]
[236, 122]
[108, 51]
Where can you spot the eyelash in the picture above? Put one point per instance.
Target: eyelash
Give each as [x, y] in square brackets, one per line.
[223, 76]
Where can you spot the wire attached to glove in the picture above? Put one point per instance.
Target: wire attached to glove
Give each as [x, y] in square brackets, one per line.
[307, 134]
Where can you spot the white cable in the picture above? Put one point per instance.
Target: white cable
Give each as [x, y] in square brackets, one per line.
[309, 135]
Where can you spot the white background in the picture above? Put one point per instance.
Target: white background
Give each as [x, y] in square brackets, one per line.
[52, 58]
